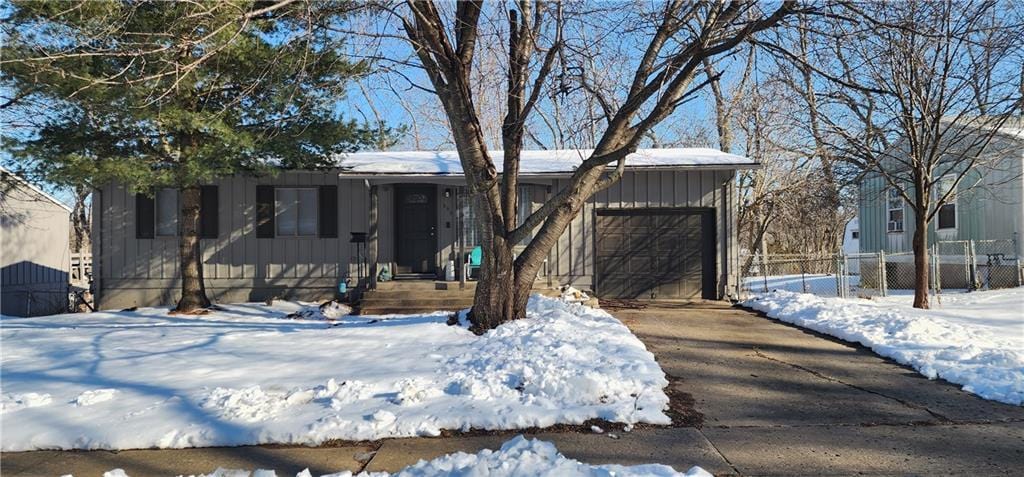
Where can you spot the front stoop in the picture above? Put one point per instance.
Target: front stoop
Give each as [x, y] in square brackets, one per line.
[423, 296]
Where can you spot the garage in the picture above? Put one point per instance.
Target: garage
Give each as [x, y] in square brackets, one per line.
[655, 253]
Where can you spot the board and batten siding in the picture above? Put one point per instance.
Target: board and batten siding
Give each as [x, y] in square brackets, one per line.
[572, 261]
[35, 259]
[990, 206]
[240, 267]
[237, 266]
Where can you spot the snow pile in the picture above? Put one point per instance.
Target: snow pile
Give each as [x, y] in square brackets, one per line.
[572, 294]
[12, 402]
[975, 340]
[517, 457]
[243, 375]
[97, 396]
[328, 310]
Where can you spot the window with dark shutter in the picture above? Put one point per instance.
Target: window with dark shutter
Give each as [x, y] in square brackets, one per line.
[328, 211]
[209, 212]
[265, 211]
[144, 216]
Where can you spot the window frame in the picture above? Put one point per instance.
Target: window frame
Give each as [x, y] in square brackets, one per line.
[298, 204]
[156, 212]
[952, 203]
[889, 209]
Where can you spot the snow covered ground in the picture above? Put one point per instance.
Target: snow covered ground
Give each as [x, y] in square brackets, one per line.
[517, 457]
[249, 375]
[972, 339]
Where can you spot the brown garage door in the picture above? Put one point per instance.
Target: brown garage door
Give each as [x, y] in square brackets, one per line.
[655, 253]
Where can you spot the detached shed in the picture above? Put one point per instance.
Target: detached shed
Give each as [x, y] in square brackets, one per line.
[35, 258]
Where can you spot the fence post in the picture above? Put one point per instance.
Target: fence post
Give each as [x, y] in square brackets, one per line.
[972, 266]
[803, 275]
[883, 275]
[840, 276]
[764, 271]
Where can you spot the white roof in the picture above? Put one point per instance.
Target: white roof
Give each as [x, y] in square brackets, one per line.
[563, 161]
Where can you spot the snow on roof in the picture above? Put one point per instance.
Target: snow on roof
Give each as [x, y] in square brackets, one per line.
[563, 161]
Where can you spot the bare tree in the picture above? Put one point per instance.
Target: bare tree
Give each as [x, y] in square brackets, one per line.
[917, 91]
[676, 38]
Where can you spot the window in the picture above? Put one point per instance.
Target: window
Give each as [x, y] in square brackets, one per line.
[296, 211]
[855, 234]
[894, 206]
[470, 234]
[167, 212]
[947, 213]
[524, 207]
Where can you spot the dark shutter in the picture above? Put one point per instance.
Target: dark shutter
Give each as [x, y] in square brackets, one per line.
[265, 211]
[328, 211]
[145, 216]
[209, 212]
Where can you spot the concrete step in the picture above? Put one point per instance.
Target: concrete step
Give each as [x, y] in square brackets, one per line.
[405, 310]
[416, 294]
[422, 285]
[436, 303]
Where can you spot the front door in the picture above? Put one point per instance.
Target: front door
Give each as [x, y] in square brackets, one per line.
[416, 228]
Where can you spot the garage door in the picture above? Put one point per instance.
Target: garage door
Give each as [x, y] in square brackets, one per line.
[655, 253]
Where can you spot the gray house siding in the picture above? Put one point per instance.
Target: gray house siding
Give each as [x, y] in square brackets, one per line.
[240, 267]
[989, 206]
[237, 265]
[35, 259]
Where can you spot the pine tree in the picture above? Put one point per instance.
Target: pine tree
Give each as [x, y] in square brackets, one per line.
[174, 94]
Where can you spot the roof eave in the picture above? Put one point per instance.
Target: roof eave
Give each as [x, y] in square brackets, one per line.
[556, 175]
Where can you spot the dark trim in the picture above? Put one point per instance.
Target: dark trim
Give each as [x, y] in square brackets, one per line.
[209, 212]
[145, 216]
[265, 211]
[327, 211]
[656, 211]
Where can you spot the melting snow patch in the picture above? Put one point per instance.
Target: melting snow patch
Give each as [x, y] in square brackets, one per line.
[974, 339]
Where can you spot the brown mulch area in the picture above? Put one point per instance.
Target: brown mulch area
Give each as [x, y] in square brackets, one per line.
[613, 304]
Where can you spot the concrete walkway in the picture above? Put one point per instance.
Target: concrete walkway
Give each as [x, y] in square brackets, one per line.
[775, 400]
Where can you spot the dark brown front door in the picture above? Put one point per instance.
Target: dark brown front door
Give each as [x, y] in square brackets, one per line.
[656, 253]
[415, 227]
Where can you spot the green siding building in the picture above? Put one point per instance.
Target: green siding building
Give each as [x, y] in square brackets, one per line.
[988, 205]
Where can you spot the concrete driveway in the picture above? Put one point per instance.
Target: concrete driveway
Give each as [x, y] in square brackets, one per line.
[762, 398]
[779, 400]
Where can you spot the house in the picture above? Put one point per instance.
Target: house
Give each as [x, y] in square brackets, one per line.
[35, 257]
[987, 208]
[666, 230]
[851, 243]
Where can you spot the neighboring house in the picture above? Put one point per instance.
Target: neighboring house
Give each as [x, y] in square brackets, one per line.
[988, 204]
[35, 257]
[667, 229]
[851, 243]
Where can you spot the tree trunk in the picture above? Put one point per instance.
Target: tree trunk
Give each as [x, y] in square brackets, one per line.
[920, 261]
[193, 291]
[80, 221]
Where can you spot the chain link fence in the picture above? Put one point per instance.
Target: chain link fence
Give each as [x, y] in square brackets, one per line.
[963, 265]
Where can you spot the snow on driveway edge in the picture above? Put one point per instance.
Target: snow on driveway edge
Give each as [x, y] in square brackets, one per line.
[983, 363]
